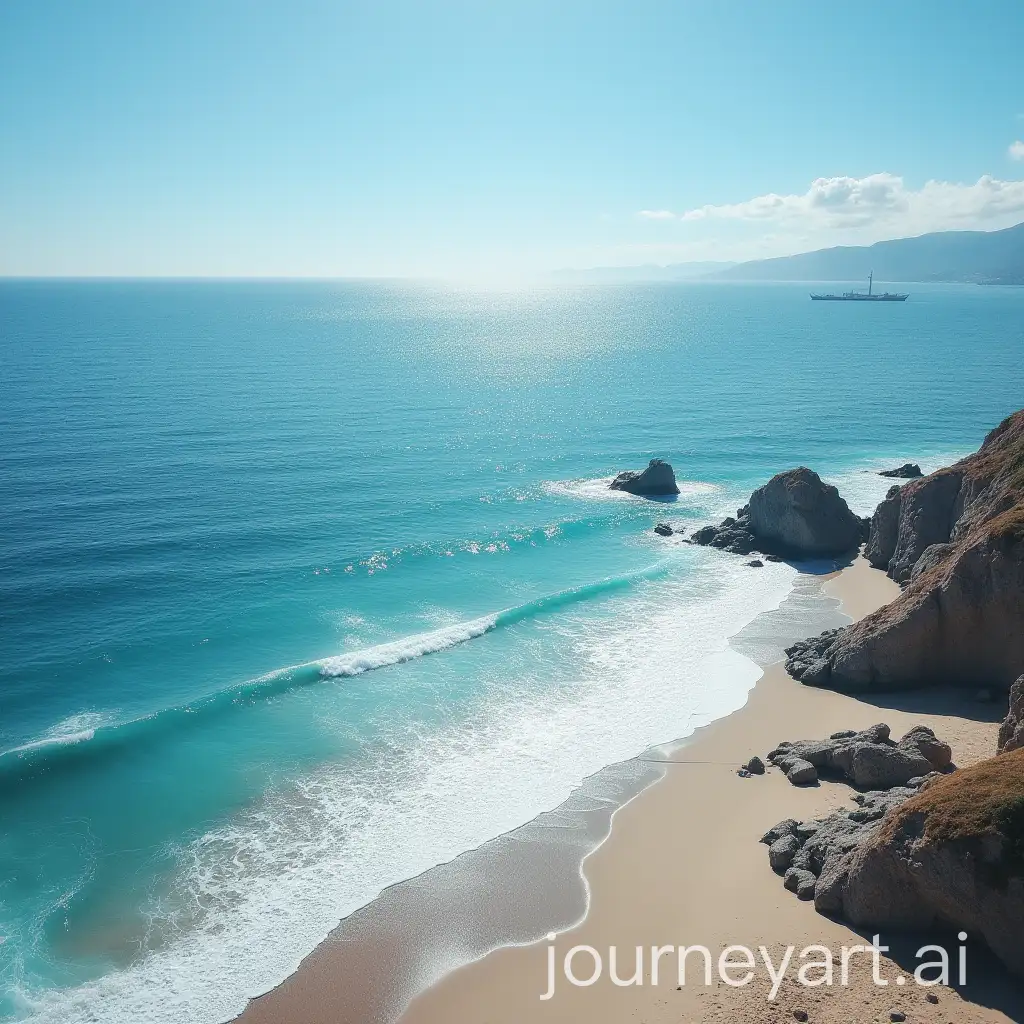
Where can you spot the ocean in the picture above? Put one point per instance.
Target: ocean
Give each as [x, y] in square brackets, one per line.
[306, 587]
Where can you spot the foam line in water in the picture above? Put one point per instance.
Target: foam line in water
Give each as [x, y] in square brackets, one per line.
[103, 736]
[406, 649]
[598, 489]
[398, 651]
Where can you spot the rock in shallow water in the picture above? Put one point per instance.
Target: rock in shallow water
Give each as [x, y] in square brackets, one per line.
[795, 514]
[657, 479]
[908, 471]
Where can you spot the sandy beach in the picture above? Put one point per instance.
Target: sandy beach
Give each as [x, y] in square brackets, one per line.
[682, 866]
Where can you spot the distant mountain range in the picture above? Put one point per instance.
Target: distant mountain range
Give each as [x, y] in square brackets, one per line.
[973, 257]
[981, 257]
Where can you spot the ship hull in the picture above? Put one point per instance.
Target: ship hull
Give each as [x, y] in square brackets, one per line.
[860, 298]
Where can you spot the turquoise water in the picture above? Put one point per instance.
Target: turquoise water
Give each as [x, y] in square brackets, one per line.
[308, 586]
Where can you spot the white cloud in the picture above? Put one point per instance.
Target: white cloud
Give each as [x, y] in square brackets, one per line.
[1016, 150]
[657, 215]
[881, 202]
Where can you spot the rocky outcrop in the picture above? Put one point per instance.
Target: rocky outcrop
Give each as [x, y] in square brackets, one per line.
[794, 515]
[732, 535]
[955, 541]
[951, 854]
[1011, 732]
[940, 850]
[869, 759]
[663, 529]
[814, 856]
[657, 479]
[926, 514]
[908, 471]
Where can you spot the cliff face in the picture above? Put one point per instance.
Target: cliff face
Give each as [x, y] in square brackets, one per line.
[955, 540]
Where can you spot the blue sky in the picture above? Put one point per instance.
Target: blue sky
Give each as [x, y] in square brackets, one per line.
[400, 138]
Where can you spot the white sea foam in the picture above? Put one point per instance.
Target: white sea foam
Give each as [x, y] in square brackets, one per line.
[78, 728]
[654, 665]
[399, 651]
[863, 488]
[598, 490]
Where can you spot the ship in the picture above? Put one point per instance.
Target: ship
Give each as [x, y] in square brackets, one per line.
[869, 296]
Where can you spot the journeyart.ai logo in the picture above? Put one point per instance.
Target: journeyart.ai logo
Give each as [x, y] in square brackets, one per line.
[737, 966]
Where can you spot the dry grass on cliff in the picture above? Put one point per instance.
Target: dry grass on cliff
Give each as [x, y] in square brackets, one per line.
[1001, 457]
[984, 799]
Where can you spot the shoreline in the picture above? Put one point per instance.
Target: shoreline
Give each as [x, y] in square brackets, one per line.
[343, 980]
[654, 882]
[528, 880]
[640, 878]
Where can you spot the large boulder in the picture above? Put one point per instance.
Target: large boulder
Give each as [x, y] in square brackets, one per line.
[797, 512]
[794, 515]
[955, 541]
[657, 479]
[1011, 732]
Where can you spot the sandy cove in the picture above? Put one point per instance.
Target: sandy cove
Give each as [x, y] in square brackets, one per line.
[683, 866]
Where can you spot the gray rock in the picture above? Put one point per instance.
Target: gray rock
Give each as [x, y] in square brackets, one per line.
[781, 853]
[657, 479]
[1011, 732]
[801, 881]
[784, 828]
[876, 766]
[756, 563]
[801, 773]
[755, 766]
[869, 758]
[922, 740]
[908, 471]
[797, 513]
[663, 529]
